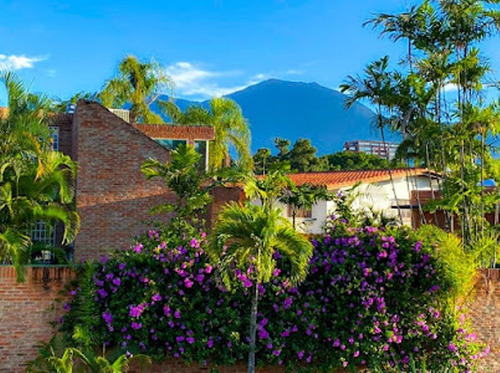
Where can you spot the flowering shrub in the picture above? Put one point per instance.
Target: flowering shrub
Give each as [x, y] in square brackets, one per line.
[373, 297]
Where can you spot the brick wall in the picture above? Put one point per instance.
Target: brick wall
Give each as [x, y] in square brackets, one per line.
[220, 197]
[176, 132]
[24, 313]
[484, 313]
[113, 197]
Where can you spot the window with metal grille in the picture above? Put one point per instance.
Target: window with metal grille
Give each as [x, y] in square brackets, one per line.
[54, 133]
[299, 213]
[43, 233]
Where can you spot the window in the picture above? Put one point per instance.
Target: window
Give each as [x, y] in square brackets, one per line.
[201, 147]
[54, 133]
[42, 233]
[170, 144]
[299, 213]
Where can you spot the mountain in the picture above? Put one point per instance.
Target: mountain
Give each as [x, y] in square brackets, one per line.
[293, 110]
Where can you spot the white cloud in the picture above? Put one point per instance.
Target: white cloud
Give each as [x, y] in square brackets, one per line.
[13, 62]
[196, 82]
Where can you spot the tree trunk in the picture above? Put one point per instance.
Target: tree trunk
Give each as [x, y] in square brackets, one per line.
[294, 214]
[253, 329]
[384, 144]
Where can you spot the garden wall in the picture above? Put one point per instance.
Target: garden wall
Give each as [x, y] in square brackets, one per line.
[25, 315]
[484, 313]
[25, 312]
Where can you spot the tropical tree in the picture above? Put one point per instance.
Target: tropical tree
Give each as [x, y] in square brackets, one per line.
[231, 129]
[36, 183]
[183, 176]
[375, 87]
[438, 105]
[303, 197]
[249, 237]
[137, 84]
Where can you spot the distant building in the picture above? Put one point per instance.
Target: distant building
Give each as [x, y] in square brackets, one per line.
[372, 147]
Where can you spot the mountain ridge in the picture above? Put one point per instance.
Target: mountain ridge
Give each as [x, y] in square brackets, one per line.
[293, 110]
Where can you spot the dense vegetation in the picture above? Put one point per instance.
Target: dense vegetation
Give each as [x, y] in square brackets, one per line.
[36, 183]
[163, 297]
[301, 157]
[435, 99]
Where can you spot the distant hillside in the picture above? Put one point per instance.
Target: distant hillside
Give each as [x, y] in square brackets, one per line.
[277, 108]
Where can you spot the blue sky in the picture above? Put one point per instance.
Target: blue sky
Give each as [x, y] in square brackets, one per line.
[209, 47]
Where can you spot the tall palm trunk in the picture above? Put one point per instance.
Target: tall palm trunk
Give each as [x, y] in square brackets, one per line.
[253, 329]
[384, 144]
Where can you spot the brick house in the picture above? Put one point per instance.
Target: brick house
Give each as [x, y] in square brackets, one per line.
[113, 198]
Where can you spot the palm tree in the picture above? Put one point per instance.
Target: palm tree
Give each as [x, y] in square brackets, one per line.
[248, 236]
[138, 84]
[407, 25]
[376, 87]
[303, 197]
[231, 129]
[183, 176]
[36, 183]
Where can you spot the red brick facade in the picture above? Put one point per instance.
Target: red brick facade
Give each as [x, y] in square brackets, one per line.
[25, 313]
[168, 131]
[484, 314]
[113, 197]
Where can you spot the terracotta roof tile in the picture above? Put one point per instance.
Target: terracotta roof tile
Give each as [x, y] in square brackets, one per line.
[339, 179]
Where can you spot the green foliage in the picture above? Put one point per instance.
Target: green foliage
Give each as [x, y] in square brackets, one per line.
[303, 197]
[302, 158]
[231, 130]
[459, 265]
[387, 291]
[182, 176]
[36, 183]
[446, 131]
[346, 160]
[248, 236]
[138, 84]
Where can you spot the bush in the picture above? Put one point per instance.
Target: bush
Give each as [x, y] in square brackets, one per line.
[374, 296]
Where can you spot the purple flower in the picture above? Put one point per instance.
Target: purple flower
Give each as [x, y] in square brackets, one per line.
[263, 334]
[108, 318]
[135, 325]
[156, 298]
[188, 283]
[136, 311]
[138, 248]
[177, 314]
[190, 340]
[210, 343]
[117, 281]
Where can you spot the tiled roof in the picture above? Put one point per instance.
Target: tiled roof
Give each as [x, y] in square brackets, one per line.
[339, 179]
[178, 132]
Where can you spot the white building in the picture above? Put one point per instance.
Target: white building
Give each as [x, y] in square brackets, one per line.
[374, 193]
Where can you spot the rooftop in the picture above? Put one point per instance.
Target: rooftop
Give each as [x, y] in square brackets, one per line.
[339, 179]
